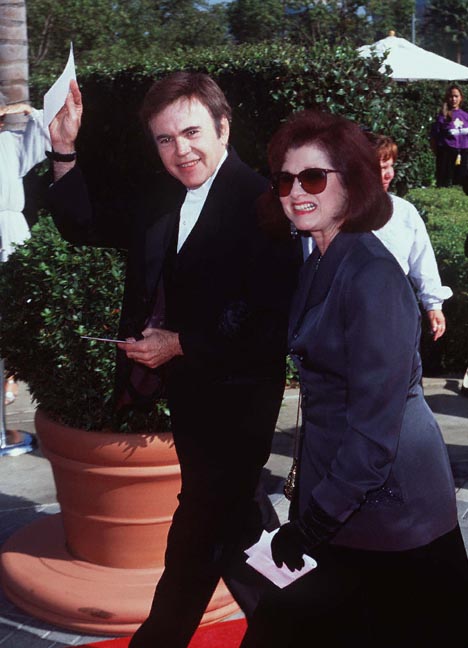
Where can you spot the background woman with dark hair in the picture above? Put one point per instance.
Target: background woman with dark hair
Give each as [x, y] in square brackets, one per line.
[375, 498]
[449, 139]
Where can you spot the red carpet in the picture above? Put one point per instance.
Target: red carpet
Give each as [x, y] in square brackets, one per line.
[226, 634]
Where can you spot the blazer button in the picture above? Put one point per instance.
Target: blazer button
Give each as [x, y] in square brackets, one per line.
[301, 358]
[295, 336]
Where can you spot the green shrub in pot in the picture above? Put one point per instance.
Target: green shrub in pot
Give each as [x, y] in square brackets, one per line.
[51, 293]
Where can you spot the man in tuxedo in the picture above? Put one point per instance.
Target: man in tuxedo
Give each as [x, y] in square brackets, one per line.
[206, 301]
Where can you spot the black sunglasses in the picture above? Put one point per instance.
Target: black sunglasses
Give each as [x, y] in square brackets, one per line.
[313, 181]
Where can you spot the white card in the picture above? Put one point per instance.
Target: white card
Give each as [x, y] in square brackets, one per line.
[55, 97]
[259, 557]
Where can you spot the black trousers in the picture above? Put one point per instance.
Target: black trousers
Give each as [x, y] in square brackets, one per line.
[447, 173]
[408, 599]
[222, 444]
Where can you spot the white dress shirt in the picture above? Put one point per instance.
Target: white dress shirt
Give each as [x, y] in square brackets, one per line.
[193, 204]
[405, 236]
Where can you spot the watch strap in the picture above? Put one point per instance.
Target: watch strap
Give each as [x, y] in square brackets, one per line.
[61, 157]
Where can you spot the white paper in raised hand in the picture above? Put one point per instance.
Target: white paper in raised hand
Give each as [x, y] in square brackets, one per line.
[259, 557]
[55, 97]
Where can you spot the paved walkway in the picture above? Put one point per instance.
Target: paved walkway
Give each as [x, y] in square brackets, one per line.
[27, 491]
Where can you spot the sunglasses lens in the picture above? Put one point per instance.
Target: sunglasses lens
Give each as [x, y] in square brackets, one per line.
[314, 181]
[283, 184]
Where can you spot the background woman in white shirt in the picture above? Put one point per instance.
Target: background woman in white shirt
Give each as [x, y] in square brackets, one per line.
[20, 151]
[405, 235]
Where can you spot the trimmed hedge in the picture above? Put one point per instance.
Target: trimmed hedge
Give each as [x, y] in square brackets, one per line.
[446, 214]
[55, 293]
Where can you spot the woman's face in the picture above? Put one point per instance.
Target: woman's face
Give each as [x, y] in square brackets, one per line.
[454, 99]
[387, 172]
[315, 213]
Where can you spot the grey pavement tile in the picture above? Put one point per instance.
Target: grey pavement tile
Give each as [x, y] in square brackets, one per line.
[13, 617]
[24, 623]
[281, 505]
[5, 605]
[32, 632]
[13, 519]
[79, 641]
[23, 640]
[462, 508]
[464, 532]
[283, 444]
[460, 471]
[69, 639]
[6, 634]
[20, 422]
[26, 480]
[288, 411]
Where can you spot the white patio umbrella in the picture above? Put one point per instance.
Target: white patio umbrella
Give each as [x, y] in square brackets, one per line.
[412, 63]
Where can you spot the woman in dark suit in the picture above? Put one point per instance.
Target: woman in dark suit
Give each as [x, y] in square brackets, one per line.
[375, 499]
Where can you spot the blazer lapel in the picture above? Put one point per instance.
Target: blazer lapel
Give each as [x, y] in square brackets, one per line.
[318, 274]
[306, 280]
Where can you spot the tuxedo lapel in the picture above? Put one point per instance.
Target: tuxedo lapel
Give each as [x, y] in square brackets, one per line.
[160, 230]
[207, 231]
[158, 238]
[209, 227]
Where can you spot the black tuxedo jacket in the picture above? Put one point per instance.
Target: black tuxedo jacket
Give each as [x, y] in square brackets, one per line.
[229, 286]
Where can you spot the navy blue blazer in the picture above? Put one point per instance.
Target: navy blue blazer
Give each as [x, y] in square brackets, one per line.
[372, 453]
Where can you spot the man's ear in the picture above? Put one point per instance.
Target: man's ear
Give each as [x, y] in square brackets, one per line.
[224, 130]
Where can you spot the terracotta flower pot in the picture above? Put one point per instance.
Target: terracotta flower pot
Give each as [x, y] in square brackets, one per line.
[117, 492]
[94, 566]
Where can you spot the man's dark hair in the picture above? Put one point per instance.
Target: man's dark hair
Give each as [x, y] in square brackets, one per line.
[186, 85]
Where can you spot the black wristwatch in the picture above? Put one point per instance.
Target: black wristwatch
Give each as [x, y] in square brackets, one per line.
[61, 157]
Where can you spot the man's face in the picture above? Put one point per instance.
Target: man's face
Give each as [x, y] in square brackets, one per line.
[187, 141]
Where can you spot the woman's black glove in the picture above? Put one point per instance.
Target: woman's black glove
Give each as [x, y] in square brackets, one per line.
[302, 536]
[288, 546]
